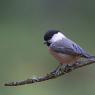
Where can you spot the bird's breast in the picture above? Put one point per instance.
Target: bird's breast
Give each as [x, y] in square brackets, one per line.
[64, 58]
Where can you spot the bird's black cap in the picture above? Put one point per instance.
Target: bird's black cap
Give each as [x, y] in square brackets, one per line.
[48, 35]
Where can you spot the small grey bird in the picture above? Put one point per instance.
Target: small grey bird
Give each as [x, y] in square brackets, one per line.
[63, 49]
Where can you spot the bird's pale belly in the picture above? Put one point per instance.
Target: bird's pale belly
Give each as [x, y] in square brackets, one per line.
[64, 58]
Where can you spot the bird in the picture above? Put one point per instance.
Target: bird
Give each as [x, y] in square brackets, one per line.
[64, 49]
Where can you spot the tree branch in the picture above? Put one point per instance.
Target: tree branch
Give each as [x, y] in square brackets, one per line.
[59, 71]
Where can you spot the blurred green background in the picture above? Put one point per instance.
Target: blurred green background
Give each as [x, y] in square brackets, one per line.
[23, 55]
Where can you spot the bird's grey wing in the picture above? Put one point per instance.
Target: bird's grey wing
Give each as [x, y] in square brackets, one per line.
[68, 47]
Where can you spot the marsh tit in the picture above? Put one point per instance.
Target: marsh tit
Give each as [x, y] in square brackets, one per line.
[63, 49]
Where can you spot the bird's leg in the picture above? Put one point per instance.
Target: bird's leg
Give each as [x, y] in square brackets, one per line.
[63, 68]
[60, 69]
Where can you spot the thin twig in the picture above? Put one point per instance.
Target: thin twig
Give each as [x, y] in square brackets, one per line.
[61, 70]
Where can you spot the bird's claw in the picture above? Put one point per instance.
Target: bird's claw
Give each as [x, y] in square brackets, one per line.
[59, 70]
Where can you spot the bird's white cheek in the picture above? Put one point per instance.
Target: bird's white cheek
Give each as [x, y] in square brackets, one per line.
[57, 37]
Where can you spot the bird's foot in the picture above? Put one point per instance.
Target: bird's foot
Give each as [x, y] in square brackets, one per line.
[69, 67]
[56, 71]
[60, 69]
[64, 68]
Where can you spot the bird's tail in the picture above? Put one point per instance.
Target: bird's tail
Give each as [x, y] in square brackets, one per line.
[91, 58]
